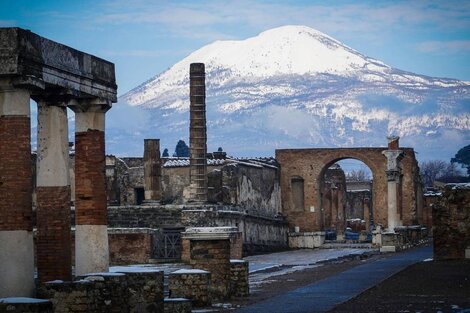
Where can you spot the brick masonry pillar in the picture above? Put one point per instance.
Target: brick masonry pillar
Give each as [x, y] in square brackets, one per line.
[91, 235]
[54, 259]
[209, 249]
[152, 170]
[16, 237]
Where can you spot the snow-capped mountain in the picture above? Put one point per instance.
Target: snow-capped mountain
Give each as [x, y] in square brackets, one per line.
[294, 86]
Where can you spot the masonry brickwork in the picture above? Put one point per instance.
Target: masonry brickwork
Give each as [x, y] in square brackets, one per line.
[239, 282]
[310, 165]
[90, 192]
[53, 234]
[15, 173]
[191, 284]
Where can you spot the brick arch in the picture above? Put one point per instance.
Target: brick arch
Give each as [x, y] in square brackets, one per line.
[310, 164]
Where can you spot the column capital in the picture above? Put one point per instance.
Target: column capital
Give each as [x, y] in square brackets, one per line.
[393, 175]
[393, 159]
[96, 105]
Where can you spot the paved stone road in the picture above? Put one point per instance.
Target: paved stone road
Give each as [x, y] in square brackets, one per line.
[326, 294]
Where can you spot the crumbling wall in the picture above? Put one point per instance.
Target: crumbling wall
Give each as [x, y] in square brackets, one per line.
[451, 223]
[254, 187]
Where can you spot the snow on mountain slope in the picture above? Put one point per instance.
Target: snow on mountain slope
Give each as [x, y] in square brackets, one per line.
[294, 86]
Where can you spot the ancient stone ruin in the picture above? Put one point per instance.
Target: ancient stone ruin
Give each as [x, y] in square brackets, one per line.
[207, 211]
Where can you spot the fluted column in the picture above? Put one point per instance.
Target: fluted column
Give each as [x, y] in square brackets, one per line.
[16, 236]
[54, 260]
[91, 235]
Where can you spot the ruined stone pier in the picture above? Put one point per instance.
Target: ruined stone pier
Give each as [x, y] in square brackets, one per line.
[152, 171]
[56, 77]
[393, 155]
[197, 133]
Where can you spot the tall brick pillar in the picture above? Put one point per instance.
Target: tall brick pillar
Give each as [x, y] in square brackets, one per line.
[91, 216]
[16, 236]
[152, 170]
[197, 133]
[54, 259]
[393, 155]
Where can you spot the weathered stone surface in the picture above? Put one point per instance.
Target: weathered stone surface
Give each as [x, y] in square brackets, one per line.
[25, 305]
[192, 284]
[130, 246]
[177, 305]
[239, 284]
[28, 56]
[145, 290]
[451, 223]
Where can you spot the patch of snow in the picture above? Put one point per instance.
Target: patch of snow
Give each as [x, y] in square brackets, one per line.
[133, 269]
[18, 300]
[190, 271]
[428, 260]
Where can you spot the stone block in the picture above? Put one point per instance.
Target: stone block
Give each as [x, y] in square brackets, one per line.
[177, 305]
[239, 283]
[145, 288]
[192, 284]
[25, 305]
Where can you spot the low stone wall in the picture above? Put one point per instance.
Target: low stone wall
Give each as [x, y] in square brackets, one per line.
[191, 284]
[239, 284]
[148, 216]
[307, 240]
[25, 305]
[451, 223]
[107, 292]
[259, 234]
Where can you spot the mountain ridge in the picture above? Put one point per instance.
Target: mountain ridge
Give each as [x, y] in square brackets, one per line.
[272, 84]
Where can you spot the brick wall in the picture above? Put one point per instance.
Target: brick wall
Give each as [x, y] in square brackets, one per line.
[90, 189]
[15, 173]
[239, 283]
[130, 248]
[191, 284]
[310, 164]
[54, 258]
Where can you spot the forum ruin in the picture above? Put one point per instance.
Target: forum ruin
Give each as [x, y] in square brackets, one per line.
[67, 216]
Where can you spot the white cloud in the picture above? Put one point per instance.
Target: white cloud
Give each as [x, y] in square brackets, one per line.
[444, 47]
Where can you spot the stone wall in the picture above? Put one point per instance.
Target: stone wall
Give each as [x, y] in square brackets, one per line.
[259, 234]
[130, 246]
[451, 223]
[191, 284]
[239, 283]
[155, 216]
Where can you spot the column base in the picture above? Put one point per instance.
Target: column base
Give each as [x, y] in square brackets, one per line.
[17, 263]
[91, 249]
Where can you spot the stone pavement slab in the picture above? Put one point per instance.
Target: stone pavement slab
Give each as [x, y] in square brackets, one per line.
[326, 294]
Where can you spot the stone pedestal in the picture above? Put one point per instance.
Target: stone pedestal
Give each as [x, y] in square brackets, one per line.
[193, 284]
[16, 237]
[91, 236]
[210, 250]
[54, 260]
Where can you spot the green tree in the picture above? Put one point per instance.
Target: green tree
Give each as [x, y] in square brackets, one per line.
[182, 149]
[463, 158]
[165, 153]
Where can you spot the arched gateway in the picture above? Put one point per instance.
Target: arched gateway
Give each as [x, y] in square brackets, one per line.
[395, 191]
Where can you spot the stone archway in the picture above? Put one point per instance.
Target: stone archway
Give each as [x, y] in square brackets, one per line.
[310, 164]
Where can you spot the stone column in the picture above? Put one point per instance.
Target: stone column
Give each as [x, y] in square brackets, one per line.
[367, 213]
[152, 170]
[16, 236]
[54, 259]
[393, 171]
[197, 133]
[91, 216]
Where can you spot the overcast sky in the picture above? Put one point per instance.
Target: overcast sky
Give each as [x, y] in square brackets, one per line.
[145, 37]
